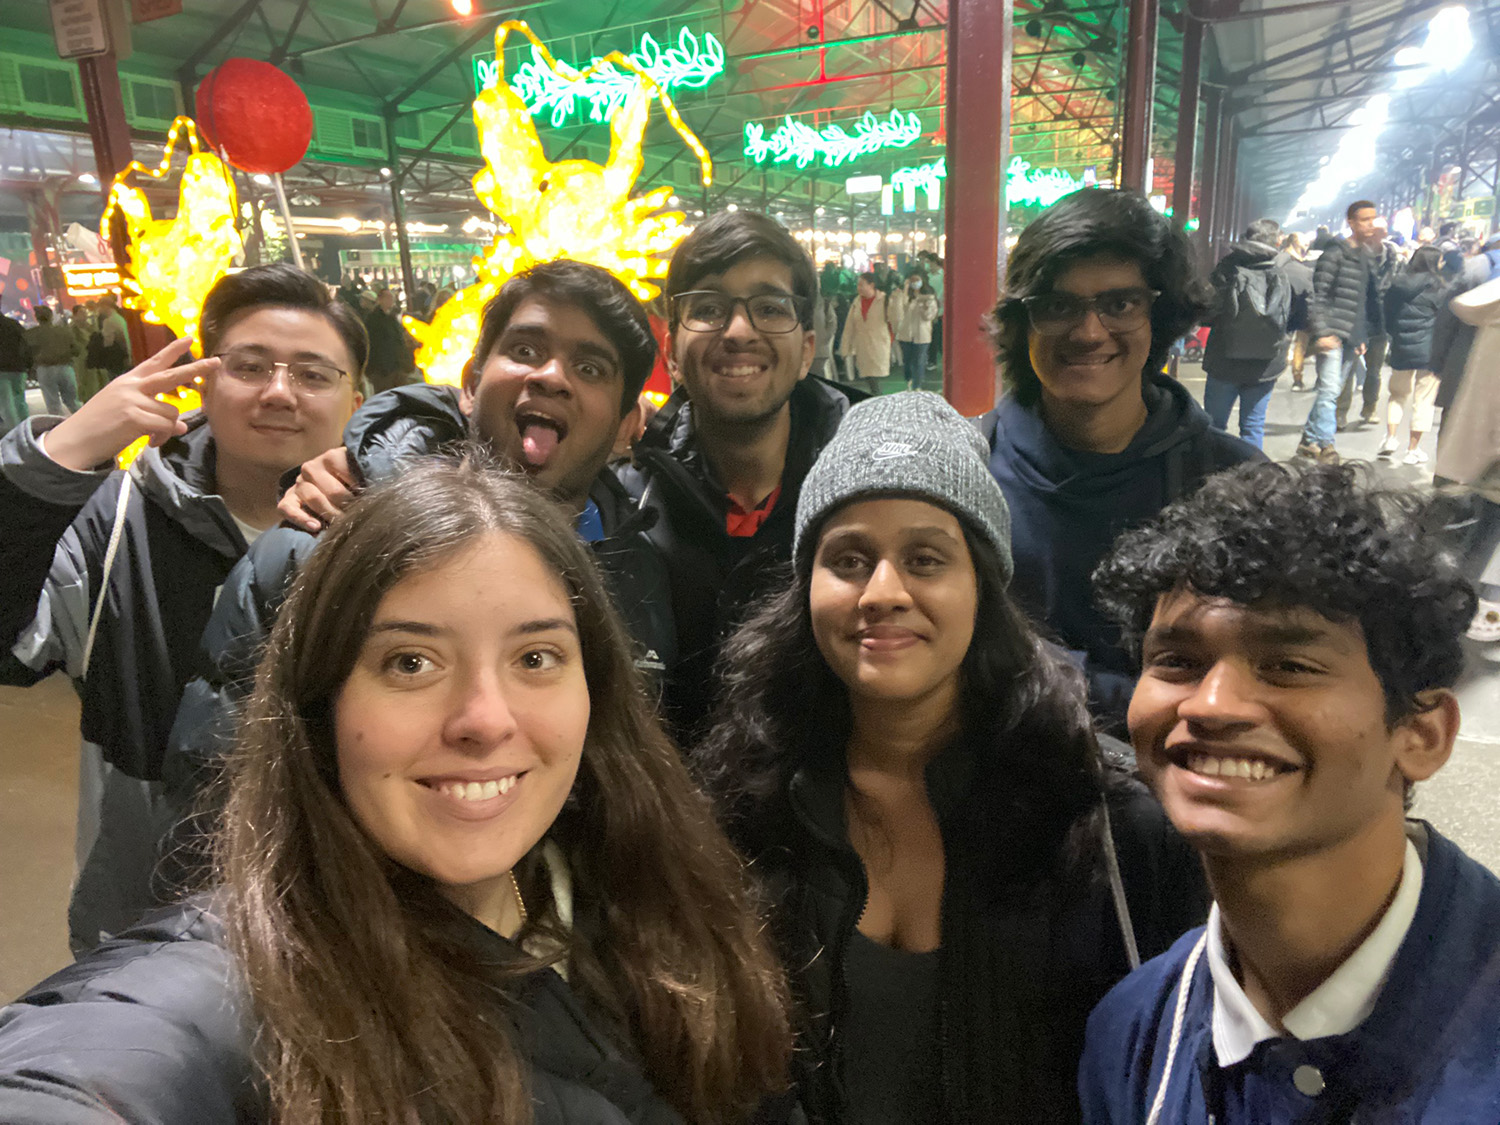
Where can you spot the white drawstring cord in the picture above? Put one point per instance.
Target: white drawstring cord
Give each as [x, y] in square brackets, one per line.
[1183, 986]
[116, 533]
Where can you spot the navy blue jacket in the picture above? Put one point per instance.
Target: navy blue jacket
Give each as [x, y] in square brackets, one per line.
[1067, 508]
[1427, 1053]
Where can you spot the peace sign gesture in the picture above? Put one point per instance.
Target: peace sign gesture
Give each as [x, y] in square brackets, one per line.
[126, 409]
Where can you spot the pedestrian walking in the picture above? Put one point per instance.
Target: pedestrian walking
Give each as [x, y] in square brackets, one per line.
[1411, 311]
[913, 310]
[866, 341]
[1342, 313]
[1247, 341]
[390, 346]
[1300, 273]
[52, 355]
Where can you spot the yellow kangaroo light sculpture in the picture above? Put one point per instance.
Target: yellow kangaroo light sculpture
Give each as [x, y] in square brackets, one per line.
[572, 209]
[175, 262]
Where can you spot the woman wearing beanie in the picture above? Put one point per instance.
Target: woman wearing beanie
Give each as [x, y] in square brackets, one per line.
[957, 871]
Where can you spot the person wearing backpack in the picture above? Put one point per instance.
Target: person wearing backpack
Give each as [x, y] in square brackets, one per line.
[1247, 347]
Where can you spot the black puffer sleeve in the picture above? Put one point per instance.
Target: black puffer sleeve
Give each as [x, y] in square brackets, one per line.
[148, 1028]
[401, 423]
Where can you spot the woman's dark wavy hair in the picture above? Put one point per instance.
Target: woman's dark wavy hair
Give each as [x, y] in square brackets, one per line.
[1096, 222]
[1318, 537]
[782, 709]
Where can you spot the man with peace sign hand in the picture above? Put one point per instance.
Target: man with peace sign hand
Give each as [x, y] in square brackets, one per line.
[110, 575]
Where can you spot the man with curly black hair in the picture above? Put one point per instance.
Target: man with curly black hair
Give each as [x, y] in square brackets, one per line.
[1299, 631]
[1091, 437]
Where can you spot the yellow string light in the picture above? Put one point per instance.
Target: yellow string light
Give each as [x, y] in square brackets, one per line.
[571, 209]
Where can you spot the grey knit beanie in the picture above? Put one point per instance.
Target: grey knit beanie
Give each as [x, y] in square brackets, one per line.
[912, 444]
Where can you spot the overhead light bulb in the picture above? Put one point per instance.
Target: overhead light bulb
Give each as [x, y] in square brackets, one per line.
[88, 178]
[463, 7]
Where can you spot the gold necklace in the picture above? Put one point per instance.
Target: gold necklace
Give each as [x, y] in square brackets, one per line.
[520, 902]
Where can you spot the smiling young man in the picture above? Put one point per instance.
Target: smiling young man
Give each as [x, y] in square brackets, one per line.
[1091, 437]
[554, 384]
[111, 575]
[563, 351]
[722, 463]
[1300, 635]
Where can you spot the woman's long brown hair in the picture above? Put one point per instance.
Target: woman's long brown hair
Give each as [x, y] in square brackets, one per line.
[371, 1006]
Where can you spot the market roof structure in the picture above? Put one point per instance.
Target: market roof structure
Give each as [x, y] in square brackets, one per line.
[793, 97]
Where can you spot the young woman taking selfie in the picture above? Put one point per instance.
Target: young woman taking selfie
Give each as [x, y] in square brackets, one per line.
[462, 875]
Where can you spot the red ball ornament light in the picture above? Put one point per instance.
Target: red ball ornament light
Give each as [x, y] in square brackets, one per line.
[256, 114]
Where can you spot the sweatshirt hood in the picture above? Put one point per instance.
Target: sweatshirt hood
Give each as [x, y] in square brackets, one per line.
[1024, 442]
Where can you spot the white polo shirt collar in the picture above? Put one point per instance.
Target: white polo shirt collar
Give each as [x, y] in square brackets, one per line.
[1338, 1005]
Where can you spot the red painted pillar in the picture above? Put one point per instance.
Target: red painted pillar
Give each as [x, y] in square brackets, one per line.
[110, 132]
[978, 115]
[1140, 89]
[1187, 120]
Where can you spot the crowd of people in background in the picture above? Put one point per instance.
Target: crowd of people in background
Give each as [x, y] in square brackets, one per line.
[70, 356]
[1359, 304]
[829, 757]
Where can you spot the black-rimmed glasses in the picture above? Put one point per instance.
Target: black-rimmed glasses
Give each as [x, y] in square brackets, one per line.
[1119, 310]
[307, 376]
[708, 310]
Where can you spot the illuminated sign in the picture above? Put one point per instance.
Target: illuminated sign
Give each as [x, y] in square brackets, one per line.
[863, 185]
[924, 177]
[602, 86]
[1026, 186]
[833, 144]
[92, 279]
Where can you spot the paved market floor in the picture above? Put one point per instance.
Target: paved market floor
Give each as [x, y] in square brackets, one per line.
[39, 758]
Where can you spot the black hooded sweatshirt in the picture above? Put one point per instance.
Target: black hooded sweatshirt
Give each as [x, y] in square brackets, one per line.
[1067, 507]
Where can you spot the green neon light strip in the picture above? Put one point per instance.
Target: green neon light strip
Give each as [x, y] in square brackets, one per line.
[1024, 185]
[1028, 186]
[924, 177]
[833, 144]
[691, 64]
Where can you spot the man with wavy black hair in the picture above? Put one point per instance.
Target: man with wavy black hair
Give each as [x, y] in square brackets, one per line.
[1299, 631]
[1091, 437]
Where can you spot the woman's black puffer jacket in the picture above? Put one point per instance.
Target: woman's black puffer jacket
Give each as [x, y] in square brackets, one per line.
[1411, 310]
[152, 1028]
